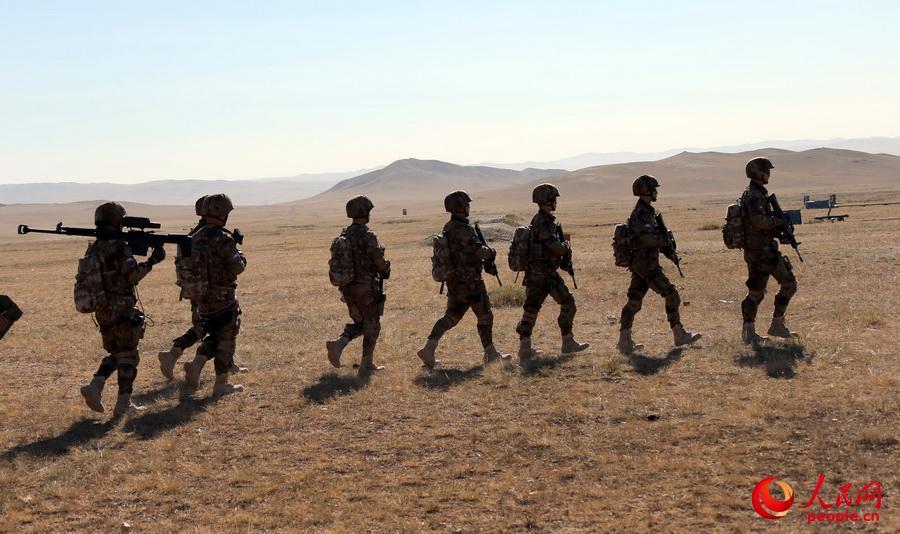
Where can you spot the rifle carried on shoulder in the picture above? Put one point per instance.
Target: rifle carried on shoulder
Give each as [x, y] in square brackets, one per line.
[565, 262]
[785, 232]
[670, 251]
[490, 267]
[137, 237]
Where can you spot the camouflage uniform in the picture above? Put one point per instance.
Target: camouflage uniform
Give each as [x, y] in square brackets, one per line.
[466, 289]
[219, 310]
[646, 272]
[762, 256]
[121, 323]
[364, 299]
[9, 313]
[542, 277]
[195, 332]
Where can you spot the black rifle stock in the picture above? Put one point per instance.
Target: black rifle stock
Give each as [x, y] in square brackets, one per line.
[565, 262]
[673, 245]
[786, 230]
[490, 267]
[139, 240]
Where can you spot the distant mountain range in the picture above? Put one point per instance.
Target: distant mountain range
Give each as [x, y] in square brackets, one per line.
[872, 145]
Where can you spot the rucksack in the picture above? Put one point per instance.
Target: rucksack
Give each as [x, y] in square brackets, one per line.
[192, 274]
[442, 267]
[341, 266]
[90, 292]
[621, 245]
[519, 249]
[733, 230]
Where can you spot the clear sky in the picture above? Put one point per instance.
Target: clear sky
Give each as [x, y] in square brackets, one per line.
[134, 91]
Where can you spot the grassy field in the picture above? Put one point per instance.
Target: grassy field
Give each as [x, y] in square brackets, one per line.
[660, 441]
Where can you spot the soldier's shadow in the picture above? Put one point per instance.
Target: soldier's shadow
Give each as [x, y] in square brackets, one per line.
[82, 431]
[537, 365]
[646, 366]
[151, 425]
[331, 385]
[445, 377]
[778, 359]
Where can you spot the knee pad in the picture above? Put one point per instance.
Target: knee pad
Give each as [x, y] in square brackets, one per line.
[789, 288]
[371, 328]
[673, 299]
[756, 295]
[130, 357]
[486, 319]
[634, 305]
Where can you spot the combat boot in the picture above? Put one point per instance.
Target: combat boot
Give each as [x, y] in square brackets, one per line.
[125, 406]
[626, 345]
[491, 354]
[335, 348]
[749, 335]
[167, 361]
[235, 368]
[222, 386]
[192, 371]
[779, 329]
[569, 345]
[426, 353]
[92, 393]
[684, 337]
[526, 352]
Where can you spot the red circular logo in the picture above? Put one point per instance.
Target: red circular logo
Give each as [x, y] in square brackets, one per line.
[768, 506]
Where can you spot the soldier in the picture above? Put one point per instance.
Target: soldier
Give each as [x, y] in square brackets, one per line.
[363, 291]
[121, 323]
[762, 255]
[649, 238]
[195, 333]
[547, 249]
[218, 308]
[465, 287]
[9, 313]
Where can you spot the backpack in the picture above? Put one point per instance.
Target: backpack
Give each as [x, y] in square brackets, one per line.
[341, 265]
[621, 245]
[733, 230]
[191, 274]
[519, 249]
[442, 267]
[90, 292]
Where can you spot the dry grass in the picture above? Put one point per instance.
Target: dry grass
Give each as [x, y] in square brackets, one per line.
[659, 441]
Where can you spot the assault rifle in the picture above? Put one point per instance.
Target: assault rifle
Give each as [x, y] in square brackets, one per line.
[785, 232]
[490, 267]
[670, 251]
[137, 237]
[565, 262]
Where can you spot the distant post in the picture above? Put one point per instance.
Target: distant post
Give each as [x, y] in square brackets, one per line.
[404, 212]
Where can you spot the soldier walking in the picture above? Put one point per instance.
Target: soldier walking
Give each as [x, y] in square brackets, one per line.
[547, 249]
[217, 264]
[358, 268]
[761, 230]
[121, 323]
[465, 286]
[195, 333]
[649, 236]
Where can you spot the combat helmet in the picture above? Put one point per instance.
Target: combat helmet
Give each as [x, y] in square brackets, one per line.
[644, 185]
[218, 206]
[198, 206]
[109, 214]
[544, 194]
[359, 207]
[756, 166]
[456, 201]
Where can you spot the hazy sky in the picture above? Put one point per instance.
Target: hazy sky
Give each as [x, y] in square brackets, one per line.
[133, 91]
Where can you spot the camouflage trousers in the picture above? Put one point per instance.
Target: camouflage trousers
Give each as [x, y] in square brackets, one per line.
[761, 264]
[121, 330]
[641, 282]
[365, 306]
[193, 334]
[460, 297]
[221, 330]
[537, 288]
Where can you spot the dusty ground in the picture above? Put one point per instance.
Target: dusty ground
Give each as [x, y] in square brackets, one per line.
[659, 441]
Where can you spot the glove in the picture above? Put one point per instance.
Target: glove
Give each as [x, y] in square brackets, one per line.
[159, 254]
[387, 270]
